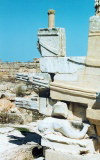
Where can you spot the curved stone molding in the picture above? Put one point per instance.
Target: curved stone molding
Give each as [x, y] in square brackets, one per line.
[74, 92]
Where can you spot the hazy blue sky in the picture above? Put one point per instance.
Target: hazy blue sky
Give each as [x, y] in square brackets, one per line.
[20, 20]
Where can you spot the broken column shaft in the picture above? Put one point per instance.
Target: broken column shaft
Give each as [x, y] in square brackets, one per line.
[51, 19]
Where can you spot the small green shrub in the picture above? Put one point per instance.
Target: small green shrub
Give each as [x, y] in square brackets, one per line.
[20, 92]
[22, 129]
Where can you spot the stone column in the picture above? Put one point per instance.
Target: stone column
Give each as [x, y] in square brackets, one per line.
[51, 19]
[93, 57]
[97, 7]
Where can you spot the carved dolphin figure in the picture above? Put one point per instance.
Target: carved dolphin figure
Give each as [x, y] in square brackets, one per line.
[70, 129]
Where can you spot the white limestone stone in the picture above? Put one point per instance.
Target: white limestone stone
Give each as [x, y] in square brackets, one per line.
[60, 109]
[61, 64]
[50, 154]
[94, 24]
[37, 80]
[66, 77]
[50, 104]
[74, 92]
[51, 42]
[5, 130]
[28, 103]
[42, 105]
[46, 105]
[71, 129]
[68, 146]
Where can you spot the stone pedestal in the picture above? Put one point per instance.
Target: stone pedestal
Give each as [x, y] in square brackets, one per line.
[52, 42]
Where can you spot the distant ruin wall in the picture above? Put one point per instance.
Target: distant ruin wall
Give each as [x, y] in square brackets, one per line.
[10, 69]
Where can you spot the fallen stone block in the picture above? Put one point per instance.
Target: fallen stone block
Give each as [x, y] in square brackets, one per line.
[42, 105]
[37, 80]
[27, 103]
[60, 110]
[46, 105]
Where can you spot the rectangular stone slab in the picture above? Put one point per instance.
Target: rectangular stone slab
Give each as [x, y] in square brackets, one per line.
[52, 42]
[73, 92]
[61, 64]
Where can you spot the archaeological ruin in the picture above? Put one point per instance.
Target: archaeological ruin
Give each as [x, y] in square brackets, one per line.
[66, 92]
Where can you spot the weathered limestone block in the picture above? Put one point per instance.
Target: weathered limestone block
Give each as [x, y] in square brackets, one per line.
[93, 115]
[94, 24]
[60, 109]
[91, 77]
[62, 64]
[42, 105]
[58, 138]
[66, 77]
[93, 57]
[46, 105]
[50, 154]
[73, 149]
[70, 129]
[74, 92]
[66, 145]
[27, 103]
[52, 42]
[23, 77]
[38, 80]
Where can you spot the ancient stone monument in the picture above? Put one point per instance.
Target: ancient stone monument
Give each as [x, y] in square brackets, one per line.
[68, 91]
[93, 57]
[51, 40]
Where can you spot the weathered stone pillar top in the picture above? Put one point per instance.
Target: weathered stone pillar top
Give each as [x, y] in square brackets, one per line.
[97, 7]
[51, 11]
[51, 18]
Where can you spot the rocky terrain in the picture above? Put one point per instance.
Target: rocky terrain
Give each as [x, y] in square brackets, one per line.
[17, 125]
[10, 88]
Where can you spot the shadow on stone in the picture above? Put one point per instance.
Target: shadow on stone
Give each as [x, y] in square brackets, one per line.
[28, 137]
[37, 152]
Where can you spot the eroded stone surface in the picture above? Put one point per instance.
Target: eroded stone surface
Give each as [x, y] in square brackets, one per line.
[38, 80]
[60, 109]
[51, 154]
[61, 65]
[51, 42]
[28, 103]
